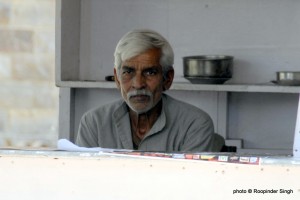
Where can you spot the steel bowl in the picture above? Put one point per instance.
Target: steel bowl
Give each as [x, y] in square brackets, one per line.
[289, 78]
[215, 66]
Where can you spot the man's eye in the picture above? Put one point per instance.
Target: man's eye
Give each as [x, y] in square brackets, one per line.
[150, 72]
[127, 71]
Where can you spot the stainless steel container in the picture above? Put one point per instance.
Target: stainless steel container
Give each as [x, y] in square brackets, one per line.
[215, 66]
[291, 78]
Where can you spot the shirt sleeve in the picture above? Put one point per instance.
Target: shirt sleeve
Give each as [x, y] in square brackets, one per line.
[199, 136]
[87, 132]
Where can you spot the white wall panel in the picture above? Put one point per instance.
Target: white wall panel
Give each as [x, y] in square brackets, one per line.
[263, 36]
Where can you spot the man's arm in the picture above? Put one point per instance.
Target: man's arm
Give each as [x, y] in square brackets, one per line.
[199, 136]
[87, 132]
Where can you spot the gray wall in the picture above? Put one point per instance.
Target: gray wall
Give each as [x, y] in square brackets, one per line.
[263, 120]
[263, 36]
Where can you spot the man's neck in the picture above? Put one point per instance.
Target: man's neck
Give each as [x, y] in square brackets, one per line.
[142, 123]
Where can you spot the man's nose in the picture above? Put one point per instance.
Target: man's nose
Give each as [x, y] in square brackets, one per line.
[139, 81]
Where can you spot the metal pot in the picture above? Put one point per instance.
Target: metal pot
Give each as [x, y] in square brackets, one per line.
[288, 78]
[215, 66]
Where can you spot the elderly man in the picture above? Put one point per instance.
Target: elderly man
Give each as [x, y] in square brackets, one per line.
[146, 118]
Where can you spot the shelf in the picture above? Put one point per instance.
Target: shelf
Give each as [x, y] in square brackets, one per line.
[267, 88]
[86, 84]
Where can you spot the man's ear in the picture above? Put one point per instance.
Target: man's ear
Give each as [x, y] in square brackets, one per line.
[116, 78]
[168, 79]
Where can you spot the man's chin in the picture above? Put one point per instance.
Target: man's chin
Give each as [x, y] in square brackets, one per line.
[140, 99]
[140, 110]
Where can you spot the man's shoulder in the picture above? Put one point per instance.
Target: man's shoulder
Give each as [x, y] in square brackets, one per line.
[105, 109]
[181, 107]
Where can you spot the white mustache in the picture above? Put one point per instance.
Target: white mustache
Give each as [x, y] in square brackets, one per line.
[139, 92]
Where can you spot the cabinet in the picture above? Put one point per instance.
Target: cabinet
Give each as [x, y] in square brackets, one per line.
[261, 39]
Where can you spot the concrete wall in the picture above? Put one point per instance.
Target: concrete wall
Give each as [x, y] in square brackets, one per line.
[81, 176]
[28, 96]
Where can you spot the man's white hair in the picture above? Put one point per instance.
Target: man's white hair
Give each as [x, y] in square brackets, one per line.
[138, 41]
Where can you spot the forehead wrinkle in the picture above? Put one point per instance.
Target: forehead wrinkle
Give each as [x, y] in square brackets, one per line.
[143, 64]
[151, 55]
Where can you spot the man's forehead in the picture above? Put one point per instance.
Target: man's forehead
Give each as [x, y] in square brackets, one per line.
[150, 55]
[141, 63]
[140, 66]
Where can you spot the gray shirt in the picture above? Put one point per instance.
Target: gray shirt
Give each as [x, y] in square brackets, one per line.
[180, 127]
